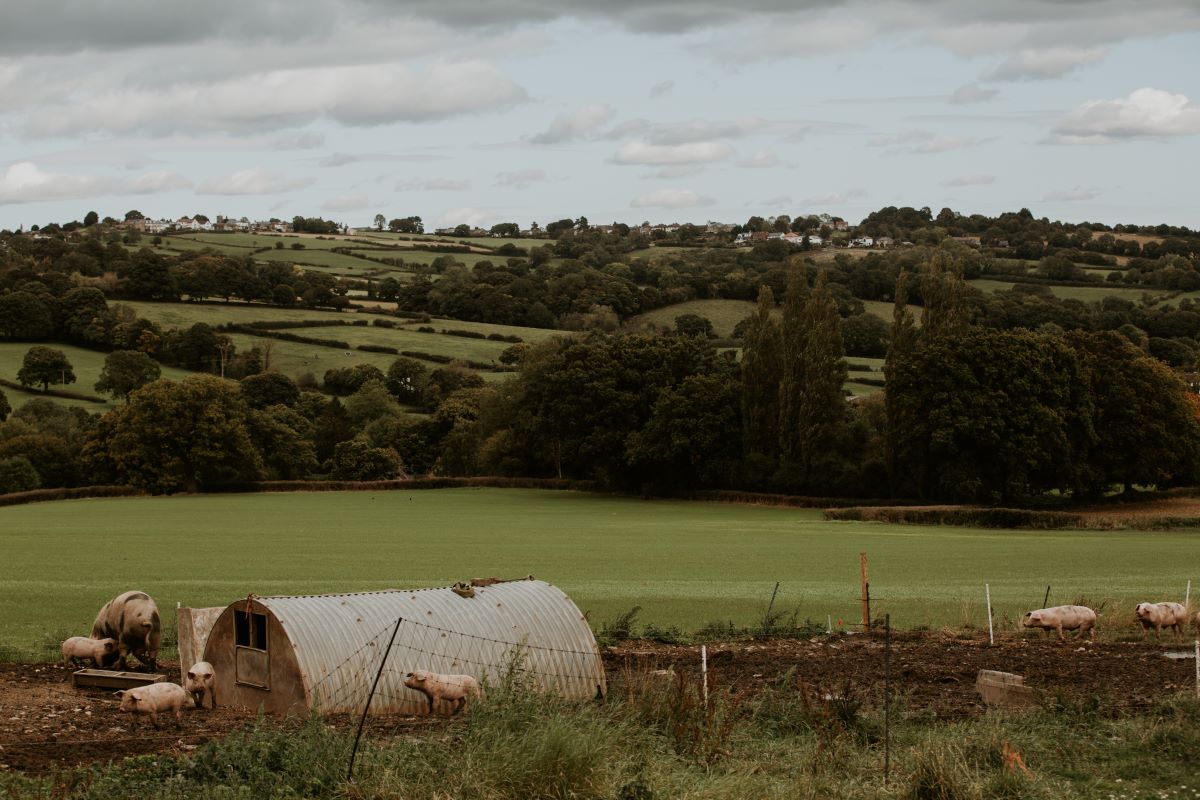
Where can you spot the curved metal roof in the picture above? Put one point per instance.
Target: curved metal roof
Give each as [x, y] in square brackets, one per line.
[338, 640]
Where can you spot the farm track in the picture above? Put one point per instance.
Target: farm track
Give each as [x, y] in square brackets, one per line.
[46, 723]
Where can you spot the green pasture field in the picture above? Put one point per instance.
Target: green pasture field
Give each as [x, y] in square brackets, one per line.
[86, 364]
[1088, 294]
[685, 563]
[884, 310]
[723, 314]
[414, 256]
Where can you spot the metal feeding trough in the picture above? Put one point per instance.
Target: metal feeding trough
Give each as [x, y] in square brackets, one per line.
[113, 679]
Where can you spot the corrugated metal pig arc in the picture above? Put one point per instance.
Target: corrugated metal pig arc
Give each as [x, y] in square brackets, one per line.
[338, 639]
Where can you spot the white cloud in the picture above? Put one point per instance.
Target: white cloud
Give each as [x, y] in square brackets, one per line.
[475, 217]
[579, 123]
[521, 178]
[640, 152]
[357, 95]
[25, 182]
[970, 180]
[1146, 114]
[760, 160]
[346, 202]
[255, 180]
[1044, 64]
[1076, 195]
[432, 185]
[671, 198]
[971, 93]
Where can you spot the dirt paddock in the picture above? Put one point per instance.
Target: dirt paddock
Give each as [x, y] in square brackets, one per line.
[45, 722]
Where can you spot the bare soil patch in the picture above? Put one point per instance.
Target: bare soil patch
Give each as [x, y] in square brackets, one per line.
[45, 722]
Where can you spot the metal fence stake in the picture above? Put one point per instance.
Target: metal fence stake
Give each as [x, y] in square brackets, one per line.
[367, 707]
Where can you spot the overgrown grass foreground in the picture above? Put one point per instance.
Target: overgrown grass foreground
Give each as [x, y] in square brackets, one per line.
[655, 738]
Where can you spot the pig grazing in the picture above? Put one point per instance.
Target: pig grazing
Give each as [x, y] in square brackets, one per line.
[155, 699]
[1162, 615]
[1063, 618]
[200, 684]
[101, 651]
[132, 619]
[456, 689]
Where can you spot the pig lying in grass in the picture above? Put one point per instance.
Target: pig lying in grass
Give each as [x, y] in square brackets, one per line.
[155, 699]
[102, 652]
[200, 684]
[1162, 615]
[455, 689]
[1063, 618]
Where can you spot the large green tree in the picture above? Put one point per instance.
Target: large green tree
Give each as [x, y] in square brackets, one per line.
[126, 370]
[5, 408]
[45, 365]
[990, 416]
[179, 436]
[762, 365]
[26, 315]
[1144, 418]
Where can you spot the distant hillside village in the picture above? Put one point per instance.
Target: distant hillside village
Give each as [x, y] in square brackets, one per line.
[817, 230]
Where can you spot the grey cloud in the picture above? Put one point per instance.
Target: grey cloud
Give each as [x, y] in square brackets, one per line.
[519, 179]
[971, 93]
[1076, 195]
[1044, 64]
[253, 181]
[432, 185]
[661, 88]
[676, 171]
[640, 152]
[579, 123]
[671, 198]
[381, 93]
[835, 198]
[922, 142]
[346, 202]
[970, 180]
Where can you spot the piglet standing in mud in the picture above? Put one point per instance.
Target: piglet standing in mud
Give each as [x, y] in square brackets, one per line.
[102, 652]
[155, 699]
[1162, 615]
[1063, 618]
[455, 689]
[200, 683]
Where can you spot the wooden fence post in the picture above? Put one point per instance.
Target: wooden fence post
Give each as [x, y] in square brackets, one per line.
[866, 592]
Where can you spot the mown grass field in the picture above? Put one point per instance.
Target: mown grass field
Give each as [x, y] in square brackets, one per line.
[685, 563]
[1088, 294]
[723, 314]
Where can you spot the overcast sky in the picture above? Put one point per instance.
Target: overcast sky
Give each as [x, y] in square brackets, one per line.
[630, 110]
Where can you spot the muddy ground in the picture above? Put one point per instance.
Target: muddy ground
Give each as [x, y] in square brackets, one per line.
[45, 722]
